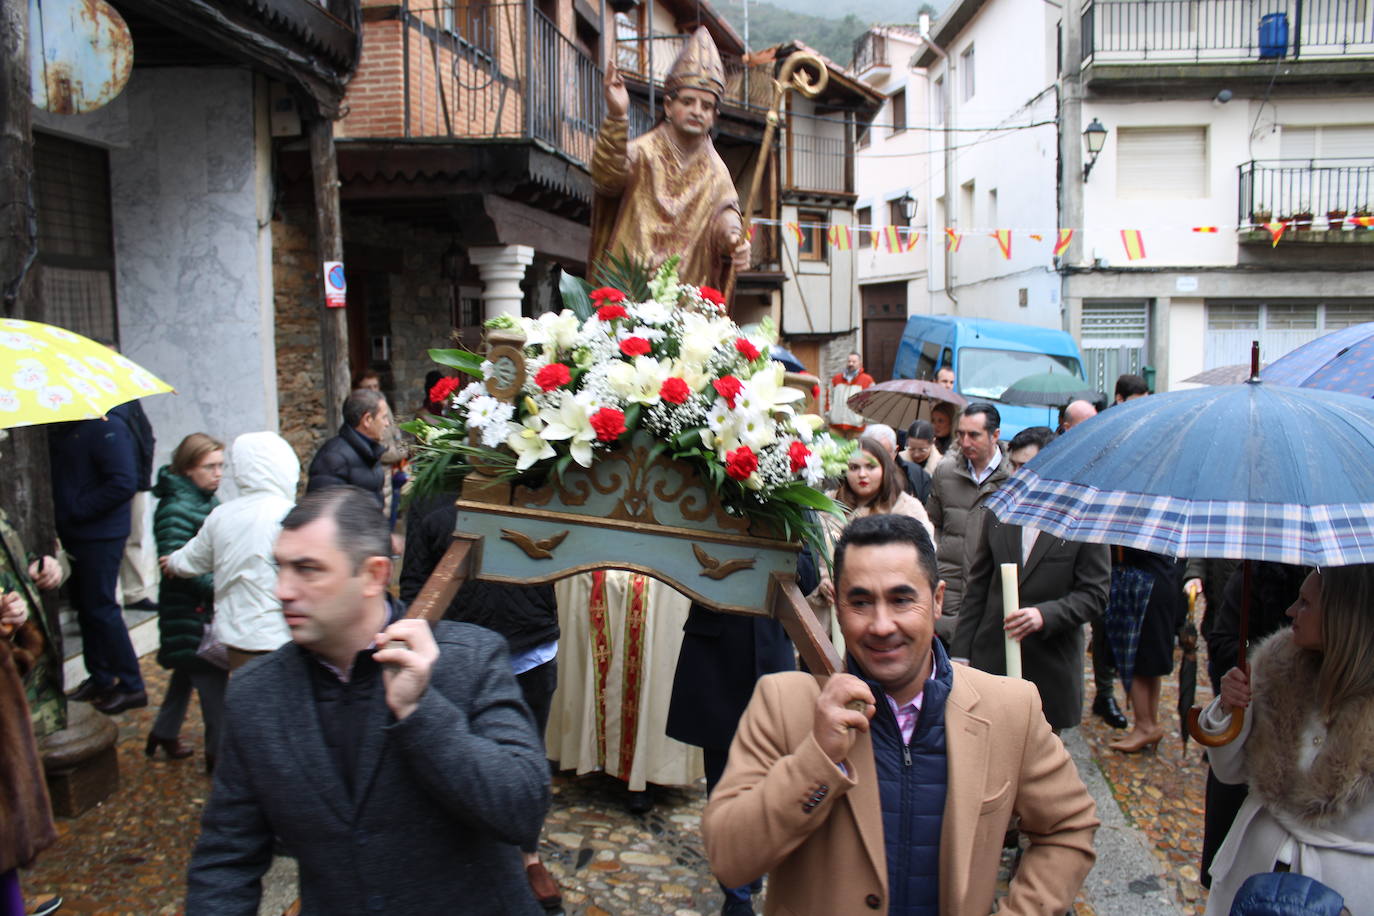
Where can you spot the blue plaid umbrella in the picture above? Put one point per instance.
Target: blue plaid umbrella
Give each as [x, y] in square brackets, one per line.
[1340, 361]
[1251, 471]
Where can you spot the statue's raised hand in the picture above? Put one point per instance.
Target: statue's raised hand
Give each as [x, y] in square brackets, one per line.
[617, 96]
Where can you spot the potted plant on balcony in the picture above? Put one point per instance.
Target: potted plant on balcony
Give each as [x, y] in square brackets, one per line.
[1335, 219]
[1361, 211]
[1302, 219]
[1261, 214]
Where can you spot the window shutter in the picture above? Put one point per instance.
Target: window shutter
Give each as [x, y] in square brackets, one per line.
[1163, 163]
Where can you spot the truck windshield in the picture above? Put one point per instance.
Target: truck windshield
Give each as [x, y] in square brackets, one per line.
[987, 373]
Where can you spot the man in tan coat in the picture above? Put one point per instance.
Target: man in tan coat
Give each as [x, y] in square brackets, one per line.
[901, 807]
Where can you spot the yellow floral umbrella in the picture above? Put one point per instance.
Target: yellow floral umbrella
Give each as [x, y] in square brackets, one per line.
[50, 375]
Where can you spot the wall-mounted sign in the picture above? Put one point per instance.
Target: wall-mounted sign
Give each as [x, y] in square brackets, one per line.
[335, 289]
[80, 55]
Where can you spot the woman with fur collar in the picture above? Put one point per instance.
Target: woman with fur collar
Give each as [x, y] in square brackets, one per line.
[1307, 745]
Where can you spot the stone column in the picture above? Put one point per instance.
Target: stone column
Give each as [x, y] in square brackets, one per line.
[502, 268]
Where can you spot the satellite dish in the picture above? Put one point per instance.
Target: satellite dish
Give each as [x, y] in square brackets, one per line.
[80, 54]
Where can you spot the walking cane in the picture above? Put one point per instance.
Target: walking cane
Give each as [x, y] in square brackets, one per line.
[789, 77]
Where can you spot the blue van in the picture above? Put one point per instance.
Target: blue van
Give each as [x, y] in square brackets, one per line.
[987, 357]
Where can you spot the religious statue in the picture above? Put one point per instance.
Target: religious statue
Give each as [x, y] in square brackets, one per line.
[668, 192]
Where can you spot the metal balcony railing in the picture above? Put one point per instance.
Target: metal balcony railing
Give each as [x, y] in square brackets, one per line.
[1159, 31]
[484, 71]
[816, 163]
[650, 57]
[1305, 192]
[870, 50]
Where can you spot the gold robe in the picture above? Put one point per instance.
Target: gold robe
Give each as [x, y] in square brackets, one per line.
[653, 204]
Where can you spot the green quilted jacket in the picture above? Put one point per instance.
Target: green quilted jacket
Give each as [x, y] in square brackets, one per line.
[185, 606]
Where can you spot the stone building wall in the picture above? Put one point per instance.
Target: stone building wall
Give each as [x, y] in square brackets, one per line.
[296, 294]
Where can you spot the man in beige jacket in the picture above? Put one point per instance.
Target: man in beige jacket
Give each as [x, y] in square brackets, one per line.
[900, 808]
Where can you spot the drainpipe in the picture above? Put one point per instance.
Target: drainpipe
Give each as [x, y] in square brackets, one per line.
[947, 103]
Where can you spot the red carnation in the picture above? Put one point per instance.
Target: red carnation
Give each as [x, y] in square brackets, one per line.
[609, 423]
[607, 294]
[635, 346]
[712, 295]
[740, 463]
[798, 453]
[674, 390]
[611, 312]
[746, 348]
[554, 375]
[439, 394]
[729, 388]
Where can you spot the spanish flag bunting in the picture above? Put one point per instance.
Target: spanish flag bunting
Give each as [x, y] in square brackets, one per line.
[875, 237]
[1366, 221]
[1062, 244]
[894, 239]
[1206, 229]
[1134, 243]
[839, 238]
[795, 230]
[952, 239]
[912, 237]
[1275, 230]
[1003, 237]
[1036, 237]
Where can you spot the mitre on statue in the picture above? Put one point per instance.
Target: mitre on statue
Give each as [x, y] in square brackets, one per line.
[697, 66]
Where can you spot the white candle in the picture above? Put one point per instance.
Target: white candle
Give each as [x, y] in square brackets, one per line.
[1011, 601]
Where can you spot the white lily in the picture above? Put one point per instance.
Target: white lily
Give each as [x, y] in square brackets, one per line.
[701, 336]
[554, 330]
[694, 374]
[640, 381]
[805, 425]
[766, 391]
[572, 421]
[528, 443]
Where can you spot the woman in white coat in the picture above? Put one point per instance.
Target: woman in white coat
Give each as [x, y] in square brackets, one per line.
[1307, 745]
[235, 544]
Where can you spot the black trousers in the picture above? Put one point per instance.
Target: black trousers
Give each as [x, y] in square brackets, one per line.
[105, 642]
[537, 686]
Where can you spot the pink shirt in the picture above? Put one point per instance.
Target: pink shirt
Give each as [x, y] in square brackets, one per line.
[906, 715]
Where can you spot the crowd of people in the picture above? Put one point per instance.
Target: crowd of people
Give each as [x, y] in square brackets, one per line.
[375, 749]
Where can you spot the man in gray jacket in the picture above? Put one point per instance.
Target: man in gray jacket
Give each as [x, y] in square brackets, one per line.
[399, 766]
[967, 476]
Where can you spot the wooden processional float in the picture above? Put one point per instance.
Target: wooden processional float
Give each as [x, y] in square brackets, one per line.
[630, 510]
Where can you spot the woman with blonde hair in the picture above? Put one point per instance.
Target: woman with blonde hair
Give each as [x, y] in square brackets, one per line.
[185, 491]
[1306, 746]
[872, 485]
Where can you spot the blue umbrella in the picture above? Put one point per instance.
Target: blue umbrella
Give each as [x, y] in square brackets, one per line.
[1251, 471]
[1340, 361]
[781, 354]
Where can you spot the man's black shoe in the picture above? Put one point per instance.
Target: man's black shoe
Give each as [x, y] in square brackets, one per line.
[1106, 709]
[116, 701]
[640, 802]
[88, 691]
[146, 604]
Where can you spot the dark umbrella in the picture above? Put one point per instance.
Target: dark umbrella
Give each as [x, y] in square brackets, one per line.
[1048, 389]
[901, 401]
[1252, 471]
[1340, 361]
[780, 354]
[1187, 669]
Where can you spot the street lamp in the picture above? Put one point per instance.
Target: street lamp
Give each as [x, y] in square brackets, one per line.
[1094, 138]
[908, 205]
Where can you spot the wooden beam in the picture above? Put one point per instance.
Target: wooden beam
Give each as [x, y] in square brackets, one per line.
[324, 173]
[803, 628]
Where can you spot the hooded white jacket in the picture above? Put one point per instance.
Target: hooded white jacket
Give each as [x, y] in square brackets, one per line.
[235, 544]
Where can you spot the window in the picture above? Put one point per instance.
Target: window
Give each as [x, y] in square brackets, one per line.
[864, 215]
[75, 235]
[1161, 163]
[966, 67]
[895, 216]
[965, 215]
[898, 111]
[812, 246]
[992, 209]
[863, 135]
[1279, 326]
[986, 373]
[937, 102]
[629, 49]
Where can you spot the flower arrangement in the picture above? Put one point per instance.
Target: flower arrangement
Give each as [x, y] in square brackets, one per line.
[672, 365]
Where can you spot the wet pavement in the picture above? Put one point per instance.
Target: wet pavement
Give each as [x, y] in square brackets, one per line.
[127, 857]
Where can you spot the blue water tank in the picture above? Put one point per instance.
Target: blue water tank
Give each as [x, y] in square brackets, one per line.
[1273, 36]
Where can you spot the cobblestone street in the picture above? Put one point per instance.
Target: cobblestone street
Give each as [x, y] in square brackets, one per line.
[127, 857]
